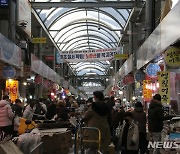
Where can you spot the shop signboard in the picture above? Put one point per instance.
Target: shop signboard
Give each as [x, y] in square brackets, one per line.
[37, 40]
[172, 57]
[121, 56]
[9, 72]
[49, 58]
[164, 86]
[12, 89]
[147, 92]
[139, 75]
[9, 52]
[58, 58]
[152, 69]
[4, 3]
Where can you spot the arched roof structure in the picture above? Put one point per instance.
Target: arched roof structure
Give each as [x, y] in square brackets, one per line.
[77, 25]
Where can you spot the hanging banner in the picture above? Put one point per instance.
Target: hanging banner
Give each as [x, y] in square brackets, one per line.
[90, 55]
[164, 86]
[12, 89]
[147, 92]
[10, 52]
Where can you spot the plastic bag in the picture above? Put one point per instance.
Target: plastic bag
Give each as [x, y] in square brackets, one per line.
[26, 142]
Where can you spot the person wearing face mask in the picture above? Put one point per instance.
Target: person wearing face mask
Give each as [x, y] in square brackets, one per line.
[129, 135]
[96, 116]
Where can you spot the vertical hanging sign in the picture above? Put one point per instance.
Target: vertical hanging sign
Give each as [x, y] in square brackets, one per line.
[164, 86]
[12, 89]
[147, 92]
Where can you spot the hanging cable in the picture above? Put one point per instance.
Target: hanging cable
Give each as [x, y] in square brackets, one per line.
[98, 20]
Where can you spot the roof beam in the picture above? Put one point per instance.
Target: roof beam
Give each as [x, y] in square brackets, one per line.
[114, 4]
[90, 76]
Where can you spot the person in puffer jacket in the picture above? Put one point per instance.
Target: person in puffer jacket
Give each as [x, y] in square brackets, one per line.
[6, 116]
[29, 110]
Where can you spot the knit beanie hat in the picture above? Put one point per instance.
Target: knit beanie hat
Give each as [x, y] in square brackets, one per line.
[157, 97]
[138, 104]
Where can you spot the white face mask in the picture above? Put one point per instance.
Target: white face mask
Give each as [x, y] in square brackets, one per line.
[93, 100]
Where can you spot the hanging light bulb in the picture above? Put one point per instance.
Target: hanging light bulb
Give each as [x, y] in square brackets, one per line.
[120, 92]
[157, 84]
[151, 86]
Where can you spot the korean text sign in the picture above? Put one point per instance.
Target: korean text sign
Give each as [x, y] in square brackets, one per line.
[164, 86]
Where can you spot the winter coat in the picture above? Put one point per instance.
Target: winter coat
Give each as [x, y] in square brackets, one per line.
[139, 116]
[156, 116]
[62, 113]
[28, 113]
[51, 111]
[117, 117]
[133, 135]
[6, 114]
[96, 116]
[17, 109]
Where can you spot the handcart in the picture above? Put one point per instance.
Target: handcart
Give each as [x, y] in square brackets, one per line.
[80, 141]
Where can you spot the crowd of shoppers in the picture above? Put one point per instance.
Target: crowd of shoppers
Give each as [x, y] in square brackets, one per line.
[125, 128]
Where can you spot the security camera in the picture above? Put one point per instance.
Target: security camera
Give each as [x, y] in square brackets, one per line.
[23, 24]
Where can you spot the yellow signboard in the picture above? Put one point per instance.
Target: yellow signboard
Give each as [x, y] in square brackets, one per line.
[39, 40]
[164, 86]
[147, 92]
[121, 56]
[172, 57]
[12, 89]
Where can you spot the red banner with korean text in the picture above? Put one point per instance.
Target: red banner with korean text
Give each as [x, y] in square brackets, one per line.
[164, 86]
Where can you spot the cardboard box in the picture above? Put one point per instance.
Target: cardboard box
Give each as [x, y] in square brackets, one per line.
[57, 142]
[9, 148]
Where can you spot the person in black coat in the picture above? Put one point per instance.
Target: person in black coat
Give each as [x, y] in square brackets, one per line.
[139, 117]
[17, 108]
[156, 118]
[62, 111]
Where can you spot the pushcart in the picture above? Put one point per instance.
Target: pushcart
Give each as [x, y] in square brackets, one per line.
[80, 141]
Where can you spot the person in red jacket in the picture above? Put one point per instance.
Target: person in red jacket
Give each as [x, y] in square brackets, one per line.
[6, 116]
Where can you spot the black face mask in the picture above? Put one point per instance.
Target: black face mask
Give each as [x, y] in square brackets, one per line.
[126, 120]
